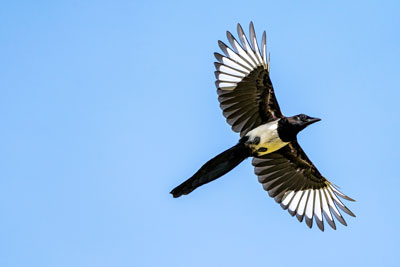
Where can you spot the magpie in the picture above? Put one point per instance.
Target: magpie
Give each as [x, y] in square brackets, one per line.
[248, 102]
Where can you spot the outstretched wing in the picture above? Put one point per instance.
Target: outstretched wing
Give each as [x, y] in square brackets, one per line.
[244, 88]
[293, 180]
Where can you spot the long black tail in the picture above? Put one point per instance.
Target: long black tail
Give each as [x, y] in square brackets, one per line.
[213, 169]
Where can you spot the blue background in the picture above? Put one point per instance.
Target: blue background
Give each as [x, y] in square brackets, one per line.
[105, 106]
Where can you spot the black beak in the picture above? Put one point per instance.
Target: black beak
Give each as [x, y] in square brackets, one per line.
[311, 120]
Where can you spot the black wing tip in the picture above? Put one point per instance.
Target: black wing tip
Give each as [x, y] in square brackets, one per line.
[239, 29]
[349, 212]
[320, 225]
[291, 212]
[329, 221]
[252, 30]
[218, 56]
[299, 217]
[222, 45]
[284, 207]
[340, 219]
[350, 199]
[309, 222]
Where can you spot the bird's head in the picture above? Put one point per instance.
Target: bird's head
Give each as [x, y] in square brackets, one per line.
[289, 127]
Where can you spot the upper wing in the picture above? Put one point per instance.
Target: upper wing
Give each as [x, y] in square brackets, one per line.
[245, 90]
[293, 180]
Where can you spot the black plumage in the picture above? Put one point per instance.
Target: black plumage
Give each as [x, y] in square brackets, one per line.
[248, 102]
[214, 168]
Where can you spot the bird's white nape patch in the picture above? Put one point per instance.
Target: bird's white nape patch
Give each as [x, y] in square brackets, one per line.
[240, 60]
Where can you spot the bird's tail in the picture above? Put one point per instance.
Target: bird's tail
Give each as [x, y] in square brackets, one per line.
[213, 169]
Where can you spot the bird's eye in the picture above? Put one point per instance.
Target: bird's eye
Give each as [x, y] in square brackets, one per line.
[302, 117]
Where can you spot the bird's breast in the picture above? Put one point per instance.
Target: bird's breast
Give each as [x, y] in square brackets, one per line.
[265, 139]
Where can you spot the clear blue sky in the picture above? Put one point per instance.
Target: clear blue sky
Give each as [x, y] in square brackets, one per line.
[105, 106]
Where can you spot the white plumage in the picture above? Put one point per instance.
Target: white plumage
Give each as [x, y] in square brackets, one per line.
[269, 137]
[316, 203]
[240, 60]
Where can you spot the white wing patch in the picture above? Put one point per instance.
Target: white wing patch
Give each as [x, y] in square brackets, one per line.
[240, 60]
[316, 203]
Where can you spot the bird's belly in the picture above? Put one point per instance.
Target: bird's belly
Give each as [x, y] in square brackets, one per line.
[269, 146]
[265, 139]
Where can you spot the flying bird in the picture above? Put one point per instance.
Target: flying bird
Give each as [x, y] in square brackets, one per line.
[248, 102]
